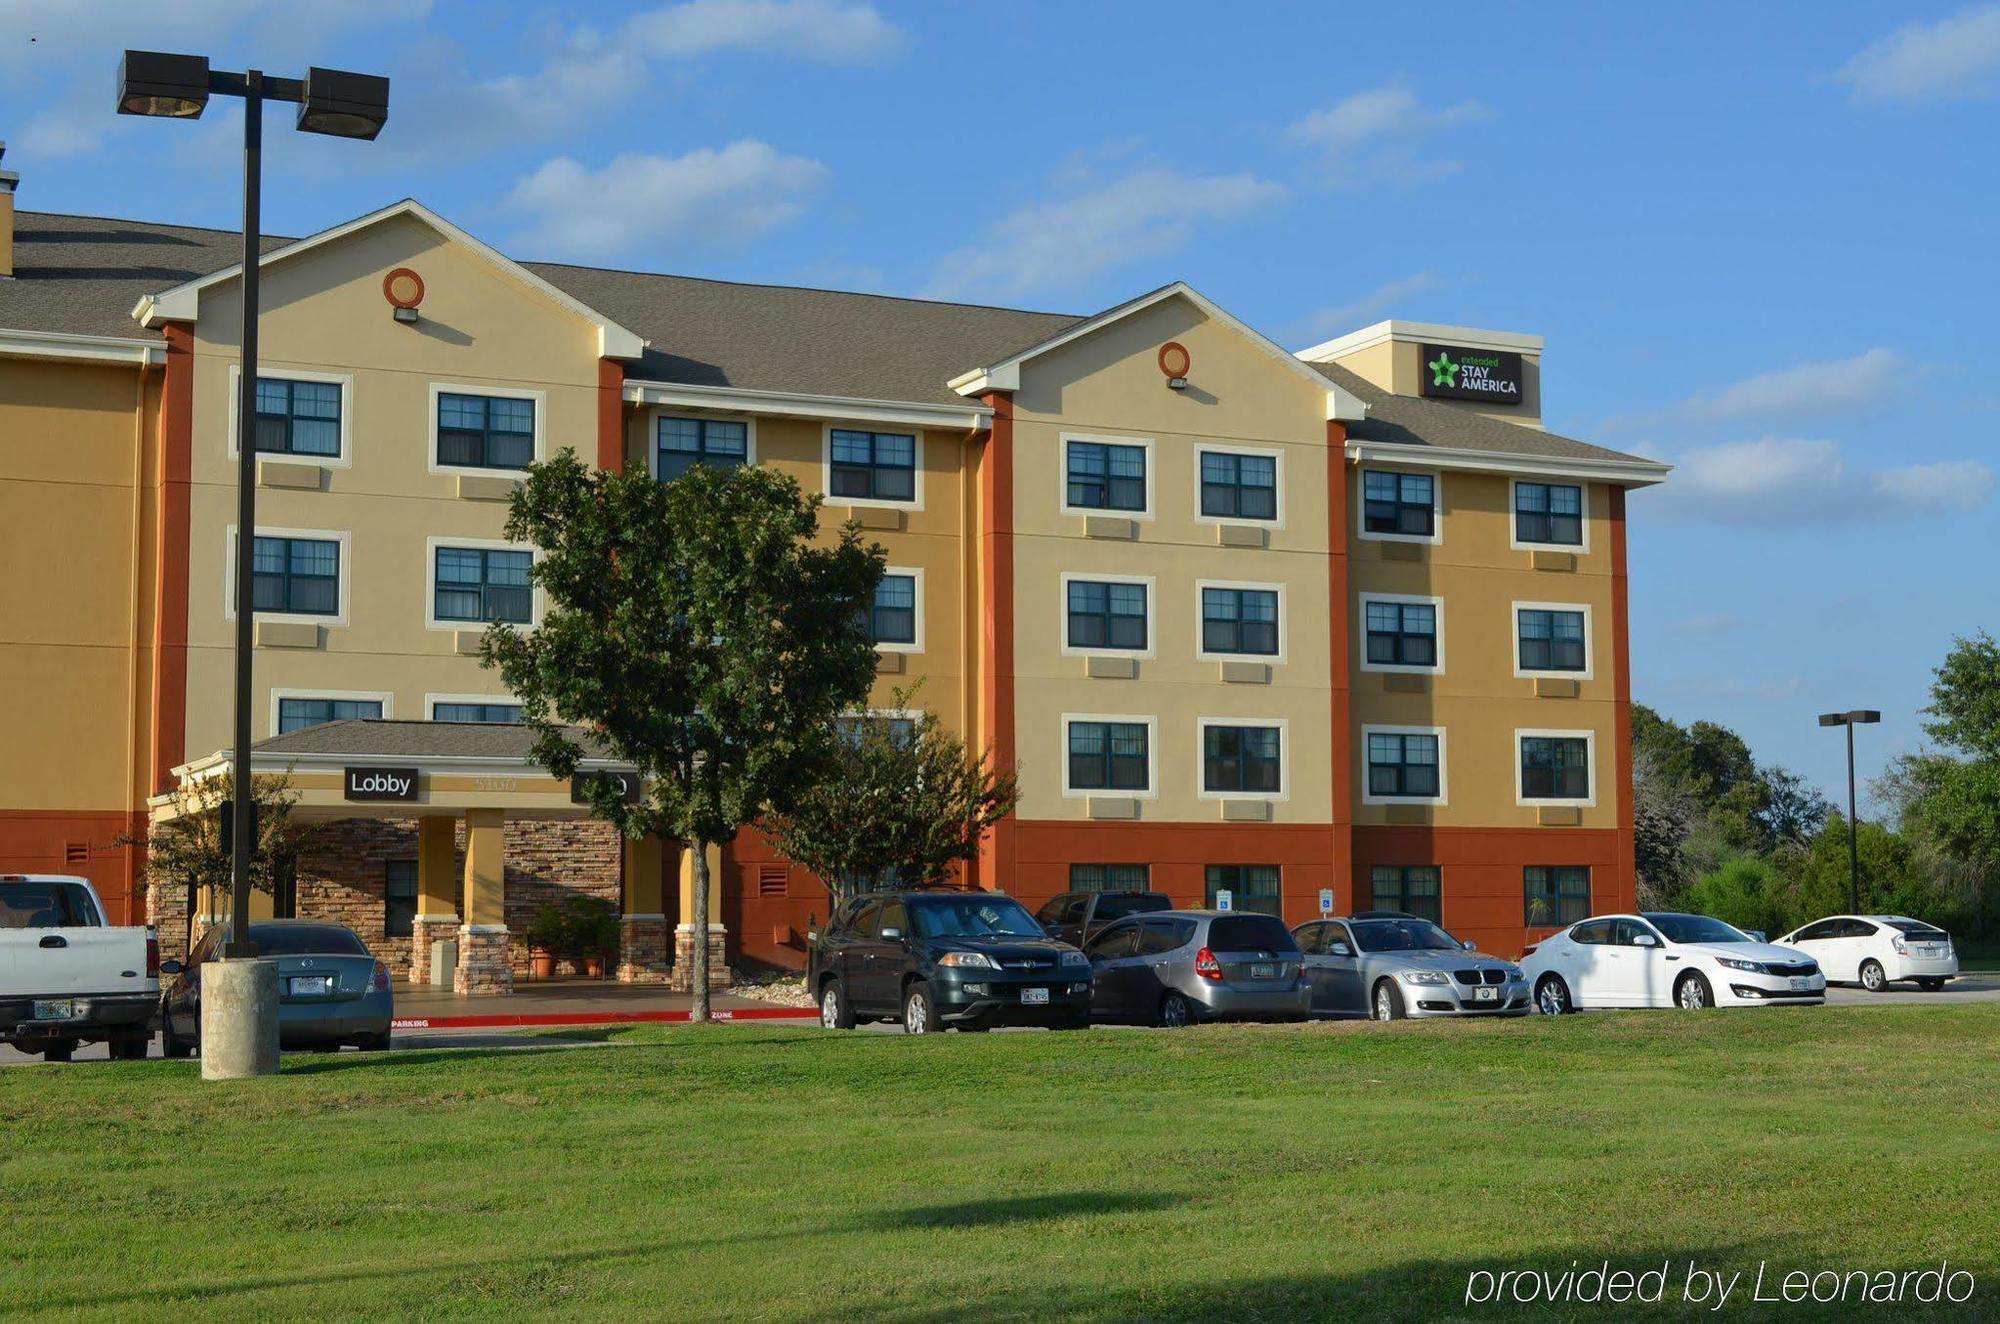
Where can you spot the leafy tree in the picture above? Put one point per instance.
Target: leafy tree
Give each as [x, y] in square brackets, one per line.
[191, 851]
[1965, 699]
[1793, 812]
[900, 804]
[1745, 891]
[700, 634]
[1893, 879]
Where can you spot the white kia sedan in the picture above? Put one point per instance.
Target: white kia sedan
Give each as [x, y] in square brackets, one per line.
[1665, 960]
[1876, 950]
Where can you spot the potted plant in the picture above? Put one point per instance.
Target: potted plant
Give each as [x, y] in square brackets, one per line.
[548, 935]
[593, 933]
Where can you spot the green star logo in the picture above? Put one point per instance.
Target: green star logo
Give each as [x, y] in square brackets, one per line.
[1443, 371]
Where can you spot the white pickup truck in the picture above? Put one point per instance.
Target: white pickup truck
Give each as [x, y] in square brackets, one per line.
[67, 976]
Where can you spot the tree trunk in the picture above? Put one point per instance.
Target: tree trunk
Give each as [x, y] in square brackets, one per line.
[699, 1013]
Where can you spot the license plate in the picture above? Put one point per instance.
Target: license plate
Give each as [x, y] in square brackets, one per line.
[1034, 997]
[1263, 970]
[308, 985]
[55, 1009]
[1486, 995]
[1800, 983]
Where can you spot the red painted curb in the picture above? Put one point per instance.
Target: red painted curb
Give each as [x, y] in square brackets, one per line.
[530, 1020]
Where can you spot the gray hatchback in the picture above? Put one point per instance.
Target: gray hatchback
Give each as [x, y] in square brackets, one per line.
[1390, 965]
[1176, 967]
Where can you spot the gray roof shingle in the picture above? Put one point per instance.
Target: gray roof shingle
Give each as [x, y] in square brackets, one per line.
[1407, 420]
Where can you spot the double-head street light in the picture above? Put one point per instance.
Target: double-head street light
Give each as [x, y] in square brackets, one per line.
[1850, 720]
[330, 101]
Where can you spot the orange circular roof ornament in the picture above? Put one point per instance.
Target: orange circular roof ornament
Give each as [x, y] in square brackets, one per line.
[1174, 359]
[403, 288]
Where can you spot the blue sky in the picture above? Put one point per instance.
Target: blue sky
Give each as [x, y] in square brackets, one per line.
[1759, 240]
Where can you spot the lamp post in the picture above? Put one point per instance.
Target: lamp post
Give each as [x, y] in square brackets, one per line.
[343, 105]
[1850, 720]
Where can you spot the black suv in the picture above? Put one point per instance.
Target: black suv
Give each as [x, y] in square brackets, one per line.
[939, 959]
[1077, 916]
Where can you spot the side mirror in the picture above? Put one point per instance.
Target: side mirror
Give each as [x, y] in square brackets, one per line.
[1756, 935]
[892, 934]
[1644, 940]
[1340, 949]
[1469, 945]
[171, 967]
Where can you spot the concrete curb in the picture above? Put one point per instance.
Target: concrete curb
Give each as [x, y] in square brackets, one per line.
[533, 1020]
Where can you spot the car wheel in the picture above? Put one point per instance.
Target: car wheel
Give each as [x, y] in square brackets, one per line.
[1930, 985]
[1387, 1004]
[919, 1015]
[131, 1048]
[1693, 992]
[171, 1044]
[1872, 977]
[834, 1013]
[1552, 997]
[59, 1051]
[1175, 1013]
[372, 1043]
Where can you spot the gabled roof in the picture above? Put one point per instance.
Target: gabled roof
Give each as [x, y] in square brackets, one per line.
[181, 302]
[1005, 374]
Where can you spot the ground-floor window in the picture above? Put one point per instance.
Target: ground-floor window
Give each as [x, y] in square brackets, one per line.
[399, 900]
[1556, 893]
[1252, 887]
[1411, 888]
[1109, 877]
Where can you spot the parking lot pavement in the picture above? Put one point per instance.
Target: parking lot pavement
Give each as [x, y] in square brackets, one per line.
[1966, 988]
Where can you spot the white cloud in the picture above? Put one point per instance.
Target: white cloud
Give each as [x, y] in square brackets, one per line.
[1371, 136]
[1355, 313]
[808, 29]
[1953, 57]
[1146, 214]
[1790, 482]
[706, 198]
[1809, 390]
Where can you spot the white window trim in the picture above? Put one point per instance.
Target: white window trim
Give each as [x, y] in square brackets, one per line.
[1404, 599]
[384, 697]
[1201, 652]
[748, 421]
[1062, 475]
[1278, 476]
[1361, 504]
[1284, 791]
[432, 700]
[342, 537]
[1152, 647]
[1152, 725]
[1589, 641]
[1590, 767]
[540, 399]
[431, 546]
[1444, 780]
[916, 501]
[345, 381]
[1513, 520]
[916, 573]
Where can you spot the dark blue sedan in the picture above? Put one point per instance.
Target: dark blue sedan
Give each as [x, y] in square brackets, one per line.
[331, 991]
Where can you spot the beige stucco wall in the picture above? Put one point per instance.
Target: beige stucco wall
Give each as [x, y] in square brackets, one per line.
[324, 312]
[1109, 384]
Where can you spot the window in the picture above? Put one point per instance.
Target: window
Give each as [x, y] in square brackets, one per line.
[1107, 615]
[1548, 513]
[1237, 759]
[1109, 877]
[854, 728]
[1410, 888]
[1251, 887]
[1557, 895]
[1115, 943]
[483, 584]
[1597, 933]
[1555, 768]
[1551, 640]
[1399, 505]
[1402, 634]
[1239, 620]
[873, 466]
[298, 418]
[296, 575]
[1238, 486]
[485, 431]
[1109, 756]
[893, 618]
[294, 714]
[682, 443]
[503, 713]
[399, 900]
[1403, 765]
[1103, 476]
[1157, 937]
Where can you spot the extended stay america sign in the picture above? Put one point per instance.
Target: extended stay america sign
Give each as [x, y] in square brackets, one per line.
[1455, 373]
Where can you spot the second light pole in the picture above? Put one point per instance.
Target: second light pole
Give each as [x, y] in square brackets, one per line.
[1850, 720]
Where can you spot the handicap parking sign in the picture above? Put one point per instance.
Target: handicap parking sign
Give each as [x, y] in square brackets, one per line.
[1224, 901]
[1326, 900]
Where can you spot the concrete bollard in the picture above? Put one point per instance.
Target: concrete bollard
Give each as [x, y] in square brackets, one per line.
[239, 1019]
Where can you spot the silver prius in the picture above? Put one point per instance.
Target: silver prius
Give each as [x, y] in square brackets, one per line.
[1390, 965]
[1175, 967]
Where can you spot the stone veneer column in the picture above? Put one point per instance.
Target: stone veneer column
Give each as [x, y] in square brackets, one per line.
[642, 929]
[718, 968]
[437, 894]
[482, 940]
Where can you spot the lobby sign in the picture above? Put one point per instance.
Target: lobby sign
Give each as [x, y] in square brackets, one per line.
[1453, 373]
[627, 784]
[379, 783]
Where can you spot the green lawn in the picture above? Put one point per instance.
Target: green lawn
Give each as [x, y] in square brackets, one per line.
[1247, 1173]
